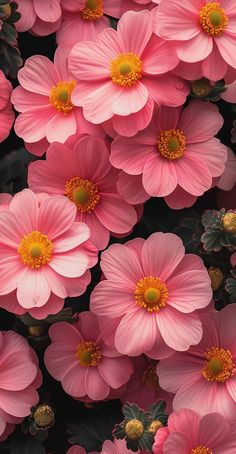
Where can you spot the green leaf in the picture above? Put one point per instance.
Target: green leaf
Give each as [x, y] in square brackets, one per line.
[27, 445]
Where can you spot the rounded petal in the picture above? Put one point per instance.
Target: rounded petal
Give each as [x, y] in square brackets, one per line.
[33, 289]
[159, 176]
[134, 31]
[196, 49]
[38, 75]
[111, 299]
[96, 387]
[179, 22]
[115, 371]
[56, 216]
[193, 175]
[130, 187]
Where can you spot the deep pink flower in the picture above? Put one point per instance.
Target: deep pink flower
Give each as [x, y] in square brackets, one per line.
[6, 112]
[44, 254]
[189, 433]
[124, 72]
[177, 150]
[44, 98]
[204, 378]
[233, 259]
[143, 387]
[202, 31]
[84, 174]
[83, 363]
[150, 294]
[41, 17]
[17, 396]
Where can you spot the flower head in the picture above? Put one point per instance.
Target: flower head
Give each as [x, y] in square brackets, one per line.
[150, 295]
[82, 362]
[6, 112]
[39, 16]
[45, 254]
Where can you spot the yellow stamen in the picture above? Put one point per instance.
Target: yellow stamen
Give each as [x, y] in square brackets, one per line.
[171, 144]
[83, 193]
[88, 354]
[126, 70]
[151, 293]
[150, 378]
[213, 19]
[219, 365]
[93, 10]
[35, 249]
[201, 450]
[60, 96]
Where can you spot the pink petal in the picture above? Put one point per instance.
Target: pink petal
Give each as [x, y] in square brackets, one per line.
[11, 230]
[180, 199]
[179, 369]
[31, 125]
[196, 49]
[63, 331]
[130, 187]
[74, 381]
[115, 371]
[61, 126]
[212, 429]
[23, 100]
[226, 329]
[134, 31]
[193, 175]
[130, 100]
[74, 236]
[111, 299]
[88, 326]
[177, 441]
[59, 358]
[11, 273]
[72, 263]
[156, 57]
[167, 90]
[42, 28]
[159, 350]
[130, 155]
[130, 125]
[19, 403]
[179, 22]
[159, 176]
[112, 264]
[215, 157]
[178, 330]
[56, 216]
[96, 387]
[226, 46]
[93, 158]
[214, 67]
[53, 306]
[33, 288]
[200, 122]
[48, 10]
[99, 105]
[161, 254]
[27, 19]
[16, 366]
[99, 234]
[185, 421]
[136, 332]
[24, 206]
[38, 75]
[116, 214]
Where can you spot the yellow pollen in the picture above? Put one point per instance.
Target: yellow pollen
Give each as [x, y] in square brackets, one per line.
[92, 10]
[88, 354]
[151, 293]
[213, 19]
[35, 249]
[150, 378]
[134, 429]
[60, 96]
[201, 450]
[218, 366]
[126, 70]
[171, 144]
[83, 193]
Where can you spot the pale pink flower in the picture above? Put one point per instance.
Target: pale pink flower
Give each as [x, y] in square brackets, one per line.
[177, 151]
[114, 8]
[150, 294]
[189, 432]
[17, 396]
[143, 387]
[82, 362]
[6, 112]
[84, 174]
[44, 98]
[204, 378]
[203, 31]
[78, 450]
[124, 72]
[115, 447]
[227, 180]
[44, 254]
[41, 17]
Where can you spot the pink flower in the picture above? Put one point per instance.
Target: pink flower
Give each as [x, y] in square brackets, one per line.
[176, 152]
[83, 173]
[124, 72]
[227, 180]
[233, 259]
[44, 254]
[230, 94]
[17, 396]
[45, 101]
[6, 112]
[78, 450]
[115, 447]
[151, 293]
[143, 388]
[5, 200]
[41, 17]
[203, 31]
[204, 378]
[188, 432]
[82, 362]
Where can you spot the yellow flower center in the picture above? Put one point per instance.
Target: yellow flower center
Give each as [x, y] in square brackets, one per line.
[213, 19]
[201, 450]
[126, 70]
[171, 144]
[60, 96]
[155, 426]
[35, 249]
[83, 193]
[151, 293]
[134, 429]
[93, 10]
[88, 354]
[219, 365]
[150, 378]
[229, 223]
